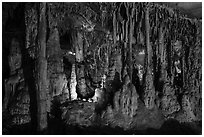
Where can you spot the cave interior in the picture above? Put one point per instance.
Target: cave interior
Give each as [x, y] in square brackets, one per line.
[101, 68]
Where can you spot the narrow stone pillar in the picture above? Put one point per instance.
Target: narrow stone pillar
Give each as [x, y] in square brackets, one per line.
[41, 71]
[80, 77]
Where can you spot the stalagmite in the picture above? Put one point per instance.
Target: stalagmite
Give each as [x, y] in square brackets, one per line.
[73, 94]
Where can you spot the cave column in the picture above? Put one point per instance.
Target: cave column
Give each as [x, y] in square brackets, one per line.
[80, 76]
[41, 70]
[149, 95]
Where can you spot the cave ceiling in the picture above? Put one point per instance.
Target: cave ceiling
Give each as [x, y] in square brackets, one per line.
[191, 9]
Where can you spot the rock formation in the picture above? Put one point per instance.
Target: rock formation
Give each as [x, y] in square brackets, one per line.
[127, 65]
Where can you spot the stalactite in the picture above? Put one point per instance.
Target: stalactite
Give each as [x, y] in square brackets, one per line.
[136, 12]
[106, 60]
[126, 40]
[131, 31]
[162, 51]
[183, 65]
[117, 30]
[95, 64]
[171, 65]
[149, 97]
[114, 27]
[147, 29]
[123, 49]
[123, 30]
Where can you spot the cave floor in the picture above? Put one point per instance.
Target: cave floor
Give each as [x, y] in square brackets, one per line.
[57, 127]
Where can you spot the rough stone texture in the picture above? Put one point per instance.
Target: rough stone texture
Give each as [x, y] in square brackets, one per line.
[191, 108]
[15, 56]
[78, 113]
[80, 67]
[81, 83]
[41, 81]
[128, 112]
[20, 109]
[125, 107]
[119, 65]
[59, 85]
[11, 85]
[149, 95]
[169, 103]
[147, 118]
[192, 97]
[143, 119]
[191, 101]
[57, 79]
[188, 114]
[54, 57]
[128, 100]
[16, 72]
[115, 62]
[31, 22]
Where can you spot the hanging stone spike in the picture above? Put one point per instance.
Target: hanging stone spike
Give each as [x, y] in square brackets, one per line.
[114, 27]
[149, 96]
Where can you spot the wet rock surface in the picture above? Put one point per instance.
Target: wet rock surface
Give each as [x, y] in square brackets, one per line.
[78, 113]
